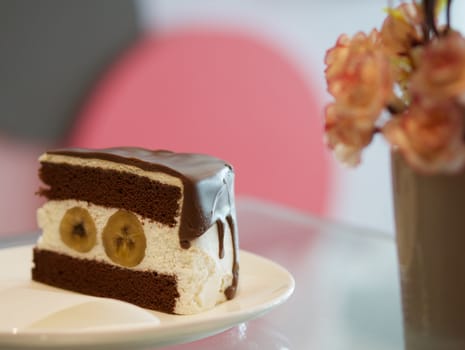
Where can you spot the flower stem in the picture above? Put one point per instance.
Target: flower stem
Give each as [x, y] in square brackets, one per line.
[429, 7]
[449, 2]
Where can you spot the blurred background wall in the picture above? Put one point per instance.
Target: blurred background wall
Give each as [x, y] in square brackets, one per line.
[51, 55]
[242, 80]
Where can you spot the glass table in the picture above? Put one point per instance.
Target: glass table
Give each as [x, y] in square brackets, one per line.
[347, 290]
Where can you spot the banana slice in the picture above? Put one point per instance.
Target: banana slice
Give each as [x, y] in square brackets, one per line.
[77, 230]
[124, 239]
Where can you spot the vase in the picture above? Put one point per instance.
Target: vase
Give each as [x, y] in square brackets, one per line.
[430, 238]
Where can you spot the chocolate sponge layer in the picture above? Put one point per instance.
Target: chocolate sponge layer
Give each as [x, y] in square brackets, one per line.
[111, 188]
[147, 289]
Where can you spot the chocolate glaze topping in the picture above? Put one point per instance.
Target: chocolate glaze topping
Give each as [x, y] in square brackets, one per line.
[208, 188]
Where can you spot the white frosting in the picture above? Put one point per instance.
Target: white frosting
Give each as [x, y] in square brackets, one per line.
[201, 275]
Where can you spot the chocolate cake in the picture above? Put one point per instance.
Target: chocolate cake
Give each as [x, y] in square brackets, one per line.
[153, 228]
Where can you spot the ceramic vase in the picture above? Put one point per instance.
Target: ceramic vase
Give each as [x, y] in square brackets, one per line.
[430, 236]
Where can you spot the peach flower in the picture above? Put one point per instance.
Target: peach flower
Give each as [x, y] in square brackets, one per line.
[402, 29]
[401, 34]
[430, 138]
[359, 75]
[347, 135]
[441, 71]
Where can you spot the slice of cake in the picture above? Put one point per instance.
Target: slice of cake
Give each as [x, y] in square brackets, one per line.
[153, 228]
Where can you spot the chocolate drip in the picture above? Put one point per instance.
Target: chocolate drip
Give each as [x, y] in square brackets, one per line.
[220, 227]
[230, 292]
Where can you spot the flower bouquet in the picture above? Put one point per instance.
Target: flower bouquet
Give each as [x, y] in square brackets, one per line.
[406, 82]
[413, 68]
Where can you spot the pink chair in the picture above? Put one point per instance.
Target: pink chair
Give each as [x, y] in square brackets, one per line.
[18, 183]
[222, 93]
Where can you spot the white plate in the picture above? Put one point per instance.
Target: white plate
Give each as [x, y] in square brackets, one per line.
[33, 315]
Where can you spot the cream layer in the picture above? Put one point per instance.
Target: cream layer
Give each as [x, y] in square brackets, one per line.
[202, 276]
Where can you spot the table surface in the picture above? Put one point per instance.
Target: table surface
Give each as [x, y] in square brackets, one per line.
[347, 289]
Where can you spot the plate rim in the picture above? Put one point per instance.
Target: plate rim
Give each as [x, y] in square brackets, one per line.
[162, 334]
